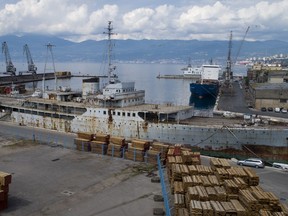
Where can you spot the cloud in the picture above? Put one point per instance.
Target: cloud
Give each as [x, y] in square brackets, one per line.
[182, 19]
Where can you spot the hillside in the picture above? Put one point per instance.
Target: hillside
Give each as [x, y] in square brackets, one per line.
[138, 50]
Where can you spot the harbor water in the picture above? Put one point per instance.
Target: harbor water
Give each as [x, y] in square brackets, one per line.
[175, 91]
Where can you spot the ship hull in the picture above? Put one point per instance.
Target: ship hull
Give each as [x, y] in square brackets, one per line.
[204, 89]
[237, 140]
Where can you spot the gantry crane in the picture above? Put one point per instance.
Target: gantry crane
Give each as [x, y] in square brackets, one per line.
[31, 66]
[10, 69]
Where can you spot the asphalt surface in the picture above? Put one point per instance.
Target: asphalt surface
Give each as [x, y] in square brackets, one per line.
[239, 102]
[48, 180]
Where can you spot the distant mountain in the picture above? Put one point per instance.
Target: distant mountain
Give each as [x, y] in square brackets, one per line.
[138, 50]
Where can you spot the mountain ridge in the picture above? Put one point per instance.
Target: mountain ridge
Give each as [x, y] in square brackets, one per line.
[138, 50]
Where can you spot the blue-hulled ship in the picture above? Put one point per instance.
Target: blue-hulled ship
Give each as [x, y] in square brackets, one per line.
[208, 85]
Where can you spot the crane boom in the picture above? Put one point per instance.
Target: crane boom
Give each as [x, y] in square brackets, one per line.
[241, 44]
[10, 69]
[229, 75]
[31, 66]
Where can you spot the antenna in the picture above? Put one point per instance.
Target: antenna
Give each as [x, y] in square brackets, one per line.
[111, 68]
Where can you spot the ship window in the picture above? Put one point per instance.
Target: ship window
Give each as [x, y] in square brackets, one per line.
[104, 112]
[118, 113]
[113, 112]
[123, 114]
[283, 101]
[128, 114]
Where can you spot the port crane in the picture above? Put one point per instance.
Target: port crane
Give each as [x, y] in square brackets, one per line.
[31, 66]
[10, 69]
[228, 74]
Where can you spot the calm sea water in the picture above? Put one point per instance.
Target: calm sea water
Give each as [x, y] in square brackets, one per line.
[174, 91]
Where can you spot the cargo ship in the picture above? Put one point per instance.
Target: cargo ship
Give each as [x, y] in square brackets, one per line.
[118, 109]
[208, 85]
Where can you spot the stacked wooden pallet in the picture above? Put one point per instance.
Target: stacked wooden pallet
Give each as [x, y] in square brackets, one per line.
[82, 144]
[135, 154]
[253, 179]
[178, 187]
[195, 208]
[160, 147]
[179, 201]
[249, 201]
[221, 174]
[136, 150]
[241, 211]
[219, 163]
[231, 188]
[195, 158]
[99, 143]
[267, 200]
[151, 156]
[207, 208]
[5, 180]
[218, 208]
[182, 212]
[115, 150]
[116, 146]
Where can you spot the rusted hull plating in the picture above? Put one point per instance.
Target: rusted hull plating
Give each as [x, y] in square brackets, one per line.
[207, 138]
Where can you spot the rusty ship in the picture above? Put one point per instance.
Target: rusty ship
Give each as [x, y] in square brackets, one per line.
[119, 109]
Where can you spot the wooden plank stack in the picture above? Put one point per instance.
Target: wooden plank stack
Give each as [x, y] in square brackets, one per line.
[98, 147]
[135, 154]
[151, 156]
[160, 147]
[116, 146]
[82, 144]
[182, 212]
[99, 143]
[249, 201]
[5, 180]
[253, 179]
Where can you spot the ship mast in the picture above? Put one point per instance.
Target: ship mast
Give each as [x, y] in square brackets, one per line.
[111, 68]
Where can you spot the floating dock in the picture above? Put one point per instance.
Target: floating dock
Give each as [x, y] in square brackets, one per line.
[19, 79]
[179, 76]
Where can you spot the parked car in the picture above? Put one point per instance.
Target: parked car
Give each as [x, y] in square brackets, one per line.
[280, 166]
[277, 109]
[284, 110]
[252, 162]
[263, 109]
[270, 109]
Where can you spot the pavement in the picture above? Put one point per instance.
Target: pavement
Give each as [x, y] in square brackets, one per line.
[49, 180]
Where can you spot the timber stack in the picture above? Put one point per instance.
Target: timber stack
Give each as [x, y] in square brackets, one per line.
[5, 180]
[218, 189]
[137, 149]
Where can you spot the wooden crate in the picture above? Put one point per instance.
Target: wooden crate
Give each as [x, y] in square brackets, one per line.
[5, 178]
[179, 201]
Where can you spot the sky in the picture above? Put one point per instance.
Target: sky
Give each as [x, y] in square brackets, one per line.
[79, 20]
